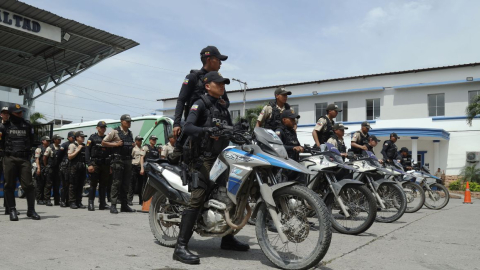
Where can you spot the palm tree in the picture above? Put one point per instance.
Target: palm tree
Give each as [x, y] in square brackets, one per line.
[470, 174]
[252, 114]
[34, 117]
[473, 109]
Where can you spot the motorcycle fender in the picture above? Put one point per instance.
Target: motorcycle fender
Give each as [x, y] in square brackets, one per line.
[159, 184]
[377, 183]
[337, 187]
[267, 191]
[257, 207]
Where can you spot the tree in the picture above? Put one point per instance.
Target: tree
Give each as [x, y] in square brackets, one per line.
[473, 109]
[34, 117]
[252, 115]
[470, 174]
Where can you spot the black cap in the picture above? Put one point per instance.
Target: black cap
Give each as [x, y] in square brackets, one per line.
[282, 91]
[215, 76]
[71, 134]
[126, 117]
[5, 109]
[15, 108]
[339, 126]
[290, 114]
[139, 138]
[366, 124]
[101, 124]
[153, 137]
[80, 134]
[45, 138]
[333, 107]
[374, 138]
[394, 135]
[404, 149]
[57, 137]
[213, 51]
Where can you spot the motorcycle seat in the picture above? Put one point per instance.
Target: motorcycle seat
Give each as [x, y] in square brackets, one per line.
[176, 169]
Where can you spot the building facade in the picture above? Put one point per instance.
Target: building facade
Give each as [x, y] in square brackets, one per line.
[425, 107]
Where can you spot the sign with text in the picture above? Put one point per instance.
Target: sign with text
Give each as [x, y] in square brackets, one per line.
[25, 24]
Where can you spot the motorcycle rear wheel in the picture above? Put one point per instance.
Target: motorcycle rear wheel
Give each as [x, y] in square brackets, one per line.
[415, 196]
[437, 198]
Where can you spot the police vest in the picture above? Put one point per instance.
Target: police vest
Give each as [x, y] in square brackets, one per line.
[53, 159]
[18, 137]
[152, 152]
[392, 150]
[363, 141]
[323, 136]
[340, 144]
[290, 139]
[275, 120]
[98, 152]
[216, 117]
[80, 157]
[406, 162]
[126, 149]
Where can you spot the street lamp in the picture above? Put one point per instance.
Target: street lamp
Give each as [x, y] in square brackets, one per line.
[244, 92]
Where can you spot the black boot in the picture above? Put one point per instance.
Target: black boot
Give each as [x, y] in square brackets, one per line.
[113, 209]
[63, 204]
[181, 253]
[229, 242]
[31, 205]
[91, 207]
[48, 203]
[13, 214]
[81, 206]
[10, 204]
[126, 208]
[73, 206]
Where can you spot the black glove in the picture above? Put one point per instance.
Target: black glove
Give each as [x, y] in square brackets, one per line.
[212, 130]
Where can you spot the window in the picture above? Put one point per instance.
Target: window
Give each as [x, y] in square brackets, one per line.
[320, 110]
[234, 115]
[343, 115]
[472, 94]
[294, 108]
[373, 109]
[436, 105]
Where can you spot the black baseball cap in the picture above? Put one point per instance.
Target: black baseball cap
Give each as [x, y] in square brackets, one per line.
[45, 138]
[126, 117]
[153, 137]
[290, 114]
[80, 134]
[282, 91]
[212, 51]
[404, 149]
[15, 108]
[374, 138]
[71, 134]
[333, 107]
[215, 76]
[366, 124]
[57, 137]
[394, 135]
[139, 138]
[339, 126]
[101, 124]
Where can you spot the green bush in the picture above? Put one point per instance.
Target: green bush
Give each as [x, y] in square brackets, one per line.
[456, 185]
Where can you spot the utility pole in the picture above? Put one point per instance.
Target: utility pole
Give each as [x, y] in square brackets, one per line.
[244, 93]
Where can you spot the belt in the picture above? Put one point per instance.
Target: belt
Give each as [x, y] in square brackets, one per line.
[18, 154]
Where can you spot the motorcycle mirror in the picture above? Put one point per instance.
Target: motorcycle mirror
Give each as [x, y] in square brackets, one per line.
[306, 145]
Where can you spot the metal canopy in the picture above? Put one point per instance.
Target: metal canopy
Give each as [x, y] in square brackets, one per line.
[36, 65]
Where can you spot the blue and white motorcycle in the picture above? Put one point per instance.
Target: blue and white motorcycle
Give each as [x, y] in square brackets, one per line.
[238, 174]
[436, 194]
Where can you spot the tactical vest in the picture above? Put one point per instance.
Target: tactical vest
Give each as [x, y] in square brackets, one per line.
[80, 157]
[406, 162]
[18, 137]
[291, 139]
[98, 152]
[215, 117]
[126, 149]
[275, 120]
[323, 136]
[152, 153]
[42, 152]
[53, 160]
[65, 150]
[392, 150]
[340, 144]
[363, 141]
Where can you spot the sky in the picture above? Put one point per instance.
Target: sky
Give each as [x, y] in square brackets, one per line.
[270, 42]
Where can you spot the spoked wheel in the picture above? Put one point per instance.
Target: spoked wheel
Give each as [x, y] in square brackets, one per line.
[437, 197]
[361, 206]
[165, 232]
[415, 196]
[394, 200]
[308, 239]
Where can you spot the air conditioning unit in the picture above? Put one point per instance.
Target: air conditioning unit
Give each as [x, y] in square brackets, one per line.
[473, 157]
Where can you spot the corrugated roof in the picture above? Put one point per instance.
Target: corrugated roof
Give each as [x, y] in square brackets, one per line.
[26, 59]
[352, 77]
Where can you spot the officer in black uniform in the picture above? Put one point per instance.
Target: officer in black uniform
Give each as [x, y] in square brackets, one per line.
[41, 174]
[97, 158]
[372, 142]
[205, 114]
[64, 174]
[121, 142]
[389, 150]
[288, 135]
[405, 159]
[16, 142]
[360, 139]
[324, 128]
[52, 162]
[76, 168]
[270, 116]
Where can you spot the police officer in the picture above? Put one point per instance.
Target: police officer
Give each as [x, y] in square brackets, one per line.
[52, 162]
[288, 135]
[17, 142]
[64, 173]
[337, 139]
[270, 116]
[97, 158]
[405, 159]
[360, 139]
[121, 141]
[205, 114]
[324, 128]
[41, 169]
[5, 116]
[76, 155]
[389, 150]
[168, 148]
[137, 167]
[372, 142]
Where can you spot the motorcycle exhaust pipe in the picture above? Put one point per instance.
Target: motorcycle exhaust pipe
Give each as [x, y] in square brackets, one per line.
[244, 221]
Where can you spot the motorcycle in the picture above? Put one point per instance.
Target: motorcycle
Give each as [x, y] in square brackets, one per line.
[391, 200]
[238, 174]
[351, 205]
[436, 194]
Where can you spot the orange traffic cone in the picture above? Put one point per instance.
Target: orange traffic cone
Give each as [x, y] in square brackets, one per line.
[468, 196]
[146, 206]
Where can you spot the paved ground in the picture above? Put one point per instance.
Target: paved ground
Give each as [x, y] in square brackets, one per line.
[78, 239]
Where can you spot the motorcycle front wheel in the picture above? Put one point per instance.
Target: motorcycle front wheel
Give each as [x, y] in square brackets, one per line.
[415, 196]
[308, 238]
[394, 200]
[437, 196]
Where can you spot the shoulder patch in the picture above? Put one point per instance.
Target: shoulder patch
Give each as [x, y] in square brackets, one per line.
[278, 132]
[386, 144]
[194, 107]
[89, 142]
[185, 81]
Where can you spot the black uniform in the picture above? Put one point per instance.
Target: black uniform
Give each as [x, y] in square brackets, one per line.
[78, 174]
[64, 174]
[17, 141]
[405, 161]
[290, 140]
[363, 140]
[369, 148]
[389, 150]
[40, 178]
[275, 120]
[98, 157]
[52, 174]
